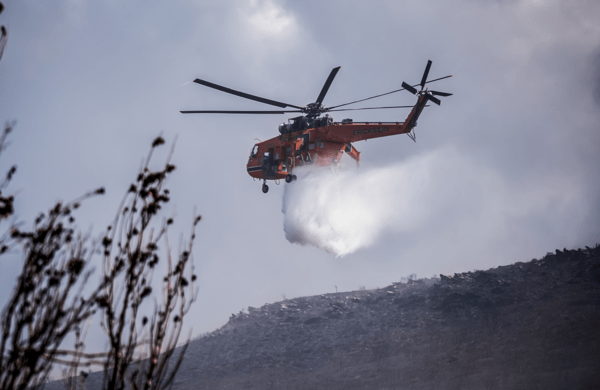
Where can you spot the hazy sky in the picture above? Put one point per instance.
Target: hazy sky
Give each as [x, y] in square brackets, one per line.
[503, 171]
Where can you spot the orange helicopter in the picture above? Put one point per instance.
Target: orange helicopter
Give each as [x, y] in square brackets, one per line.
[315, 139]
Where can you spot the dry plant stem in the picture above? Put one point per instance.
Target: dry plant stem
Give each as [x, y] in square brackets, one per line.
[3, 34]
[70, 375]
[157, 375]
[131, 245]
[6, 202]
[47, 303]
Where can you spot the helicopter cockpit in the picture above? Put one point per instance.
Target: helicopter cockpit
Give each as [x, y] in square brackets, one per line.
[254, 151]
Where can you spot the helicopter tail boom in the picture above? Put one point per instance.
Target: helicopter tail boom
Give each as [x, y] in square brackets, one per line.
[411, 119]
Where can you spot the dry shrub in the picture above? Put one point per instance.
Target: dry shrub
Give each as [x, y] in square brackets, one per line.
[49, 303]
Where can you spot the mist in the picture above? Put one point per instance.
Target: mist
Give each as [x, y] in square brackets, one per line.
[344, 209]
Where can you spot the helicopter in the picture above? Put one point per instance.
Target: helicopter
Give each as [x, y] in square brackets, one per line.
[313, 137]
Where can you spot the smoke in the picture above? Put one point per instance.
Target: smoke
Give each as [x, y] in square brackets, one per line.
[442, 196]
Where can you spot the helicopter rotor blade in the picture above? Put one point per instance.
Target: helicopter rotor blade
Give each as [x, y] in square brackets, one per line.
[433, 99]
[236, 112]
[436, 93]
[327, 85]
[425, 74]
[370, 108]
[372, 97]
[244, 95]
[387, 93]
[431, 81]
[409, 88]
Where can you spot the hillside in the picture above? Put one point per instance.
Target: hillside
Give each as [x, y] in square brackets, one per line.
[533, 325]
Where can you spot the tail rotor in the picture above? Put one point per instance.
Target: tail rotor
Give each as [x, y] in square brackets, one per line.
[429, 95]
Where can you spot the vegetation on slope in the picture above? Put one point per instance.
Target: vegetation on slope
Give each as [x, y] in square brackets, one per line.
[527, 325]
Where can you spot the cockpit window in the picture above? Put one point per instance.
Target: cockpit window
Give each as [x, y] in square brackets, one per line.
[254, 151]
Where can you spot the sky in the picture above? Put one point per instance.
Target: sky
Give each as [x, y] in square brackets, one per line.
[504, 170]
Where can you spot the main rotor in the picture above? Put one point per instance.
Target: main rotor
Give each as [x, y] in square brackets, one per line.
[314, 110]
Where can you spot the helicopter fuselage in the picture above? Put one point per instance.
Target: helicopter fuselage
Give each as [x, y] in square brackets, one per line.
[277, 157]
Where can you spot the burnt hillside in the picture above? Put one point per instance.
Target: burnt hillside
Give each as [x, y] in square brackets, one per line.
[533, 325]
[527, 325]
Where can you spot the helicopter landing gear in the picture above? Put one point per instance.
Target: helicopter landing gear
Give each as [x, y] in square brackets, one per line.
[290, 178]
[265, 188]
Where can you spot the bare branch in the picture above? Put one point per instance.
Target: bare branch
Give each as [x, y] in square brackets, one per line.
[48, 302]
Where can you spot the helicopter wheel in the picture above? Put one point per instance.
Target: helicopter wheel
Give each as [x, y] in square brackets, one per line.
[265, 188]
[289, 178]
[294, 177]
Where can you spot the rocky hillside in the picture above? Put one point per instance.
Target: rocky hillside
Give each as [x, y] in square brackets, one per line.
[527, 325]
[533, 325]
